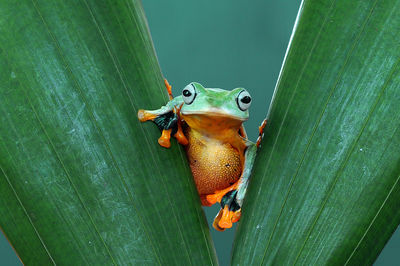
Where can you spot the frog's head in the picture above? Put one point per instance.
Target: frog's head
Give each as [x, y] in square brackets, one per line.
[215, 102]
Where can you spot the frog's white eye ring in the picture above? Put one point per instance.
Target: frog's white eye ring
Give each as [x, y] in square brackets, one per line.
[243, 100]
[189, 93]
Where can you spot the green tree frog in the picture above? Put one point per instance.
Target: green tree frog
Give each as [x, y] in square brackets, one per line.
[209, 123]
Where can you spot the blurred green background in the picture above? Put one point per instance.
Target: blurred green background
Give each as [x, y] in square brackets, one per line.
[223, 44]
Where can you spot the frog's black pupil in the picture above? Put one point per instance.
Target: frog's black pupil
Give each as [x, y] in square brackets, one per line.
[186, 93]
[246, 99]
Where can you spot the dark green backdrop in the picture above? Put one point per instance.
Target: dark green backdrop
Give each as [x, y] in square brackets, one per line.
[223, 44]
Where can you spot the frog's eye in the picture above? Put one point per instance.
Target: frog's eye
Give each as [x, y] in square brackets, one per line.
[188, 94]
[243, 100]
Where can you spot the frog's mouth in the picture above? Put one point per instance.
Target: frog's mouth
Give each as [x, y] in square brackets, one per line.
[211, 121]
[214, 113]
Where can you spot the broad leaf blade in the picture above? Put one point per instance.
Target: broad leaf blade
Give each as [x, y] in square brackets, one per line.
[325, 187]
[81, 180]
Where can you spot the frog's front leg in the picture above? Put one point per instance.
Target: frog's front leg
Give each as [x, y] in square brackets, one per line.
[167, 120]
[231, 202]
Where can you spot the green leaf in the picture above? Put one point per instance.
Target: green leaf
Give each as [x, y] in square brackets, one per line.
[82, 181]
[325, 188]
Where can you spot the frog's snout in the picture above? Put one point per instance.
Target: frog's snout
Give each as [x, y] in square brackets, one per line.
[214, 101]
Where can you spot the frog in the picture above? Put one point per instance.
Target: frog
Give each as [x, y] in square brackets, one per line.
[208, 122]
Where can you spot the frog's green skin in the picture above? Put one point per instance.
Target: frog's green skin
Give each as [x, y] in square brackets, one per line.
[220, 155]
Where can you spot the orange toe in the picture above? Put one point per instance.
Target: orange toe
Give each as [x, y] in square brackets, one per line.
[164, 140]
[216, 221]
[262, 126]
[180, 136]
[226, 219]
[219, 194]
[143, 115]
[261, 132]
[168, 89]
[236, 216]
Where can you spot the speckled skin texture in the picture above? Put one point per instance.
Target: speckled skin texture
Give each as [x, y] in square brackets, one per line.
[214, 165]
[215, 151]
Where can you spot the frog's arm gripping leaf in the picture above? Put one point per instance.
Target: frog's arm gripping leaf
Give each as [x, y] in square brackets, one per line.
[167, 120]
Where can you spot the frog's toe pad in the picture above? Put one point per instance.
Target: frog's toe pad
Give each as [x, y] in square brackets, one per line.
[226, 218]
[144, 115]
[216, 222]
[180, 136]
[164, 140]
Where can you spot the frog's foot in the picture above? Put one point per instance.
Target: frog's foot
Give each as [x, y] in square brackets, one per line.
[219, 194]
[261, 132]
[229, 213]
[166, 122]
[225, 219]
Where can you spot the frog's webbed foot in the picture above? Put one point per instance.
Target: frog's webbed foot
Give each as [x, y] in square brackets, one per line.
[168, 123]
[230, 208]
[229, 213]
[167, 120]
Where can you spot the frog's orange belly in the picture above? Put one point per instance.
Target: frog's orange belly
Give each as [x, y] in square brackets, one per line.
[214, 165]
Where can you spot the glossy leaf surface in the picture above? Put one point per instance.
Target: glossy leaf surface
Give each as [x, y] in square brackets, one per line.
[82, 181]
[325, 188]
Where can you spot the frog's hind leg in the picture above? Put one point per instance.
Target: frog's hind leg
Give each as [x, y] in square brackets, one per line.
[219, 194]
[231, 202]
[231, 198]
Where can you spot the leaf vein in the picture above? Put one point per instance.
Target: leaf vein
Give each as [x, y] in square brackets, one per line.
[373, 220]
[121, 74]
[27, 216]
[281, 126]
[343, 166]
